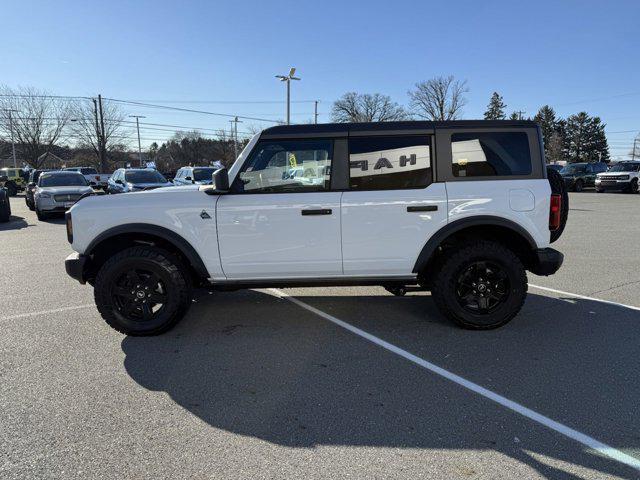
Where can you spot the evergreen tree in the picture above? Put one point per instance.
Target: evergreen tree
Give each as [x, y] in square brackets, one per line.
[495, 109]
[586, 139]
[514, 116]
[546, 118]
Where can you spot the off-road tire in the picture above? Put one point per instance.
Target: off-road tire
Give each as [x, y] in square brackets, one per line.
[5, 207]
[558, 187]
[173, 275]
[12, 189]
[444, 285]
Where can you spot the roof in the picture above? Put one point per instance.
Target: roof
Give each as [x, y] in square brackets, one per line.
[395, 126]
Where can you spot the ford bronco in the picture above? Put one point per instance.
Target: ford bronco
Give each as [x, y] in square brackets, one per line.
[461, 209]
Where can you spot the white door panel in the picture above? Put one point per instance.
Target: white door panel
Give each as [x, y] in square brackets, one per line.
[267, 235]
[380, 236]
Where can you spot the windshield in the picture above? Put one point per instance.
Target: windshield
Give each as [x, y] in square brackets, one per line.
[572, 169]
[625, 167]
[203, 174]
[62, 180]
[144, 176]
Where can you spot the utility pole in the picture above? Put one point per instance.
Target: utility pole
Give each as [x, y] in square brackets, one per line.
[633, 154]
[137, 117]
[520, 113]
[288, 78]
[103, 148]
[234, 134]
[13, 144]
[315, 113]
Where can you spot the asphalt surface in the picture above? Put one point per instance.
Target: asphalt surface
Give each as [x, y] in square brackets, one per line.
[250, 385]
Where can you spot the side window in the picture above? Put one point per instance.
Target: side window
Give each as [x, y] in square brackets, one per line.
[490, 154]
[286, 166]
[389, 163]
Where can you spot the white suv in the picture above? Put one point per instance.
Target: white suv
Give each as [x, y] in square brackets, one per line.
[458, 208]
[622, 176]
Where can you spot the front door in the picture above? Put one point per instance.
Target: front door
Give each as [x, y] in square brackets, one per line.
[281, 218]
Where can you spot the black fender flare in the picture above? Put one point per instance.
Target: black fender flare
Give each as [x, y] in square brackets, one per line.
[480, 220]
[162, 232]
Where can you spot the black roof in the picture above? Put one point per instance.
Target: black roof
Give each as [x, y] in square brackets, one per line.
[384, 126]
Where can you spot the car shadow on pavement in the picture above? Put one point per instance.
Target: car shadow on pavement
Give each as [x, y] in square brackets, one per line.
[14, 223]
[257, 365]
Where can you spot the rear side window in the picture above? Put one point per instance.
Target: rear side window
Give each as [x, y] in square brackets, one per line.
[389, 163]
[490, 154]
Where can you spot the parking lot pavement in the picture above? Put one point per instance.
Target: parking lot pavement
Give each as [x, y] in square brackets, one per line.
[252, 385]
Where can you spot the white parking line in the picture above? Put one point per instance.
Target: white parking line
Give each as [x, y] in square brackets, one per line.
[45, 312]
[584, 297]
[582, 438]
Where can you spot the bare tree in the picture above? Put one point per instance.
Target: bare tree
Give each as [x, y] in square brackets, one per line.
[86, 127]
[35, 119]
[355, 107]
[440, 98]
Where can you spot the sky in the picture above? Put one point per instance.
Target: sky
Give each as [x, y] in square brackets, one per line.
[221, 57]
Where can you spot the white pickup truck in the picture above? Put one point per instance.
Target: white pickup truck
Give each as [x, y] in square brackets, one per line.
[462, 209]
[95, 179]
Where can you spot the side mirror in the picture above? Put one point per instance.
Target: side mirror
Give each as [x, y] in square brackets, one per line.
[119, 182]
[31, 184]
[188, 178]
[221, 180]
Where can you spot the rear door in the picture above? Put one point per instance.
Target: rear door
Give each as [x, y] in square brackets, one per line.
[392, 206]
[282, 217]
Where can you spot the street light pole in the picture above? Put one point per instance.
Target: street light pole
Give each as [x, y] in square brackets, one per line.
[138, 117]
[234, 134]
[13, 144]
[315, 112]
[288, 78]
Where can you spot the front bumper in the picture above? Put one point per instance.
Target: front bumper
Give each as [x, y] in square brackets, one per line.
[613, 184]
[75, 265]
[546, 261]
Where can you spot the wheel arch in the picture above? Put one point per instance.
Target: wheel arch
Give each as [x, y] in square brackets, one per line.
[481, 226]
[117, 238]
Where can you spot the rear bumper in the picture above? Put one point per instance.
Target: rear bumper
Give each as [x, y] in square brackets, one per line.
[546, 261]
[74, 265]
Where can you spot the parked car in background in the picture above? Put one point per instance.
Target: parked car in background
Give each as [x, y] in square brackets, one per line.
[136, 180]
[95, 179]
[34, 175]
[622, 176]
[58, 191]
[577, 176]
[14, 182]
[555, 166]
[194, 175]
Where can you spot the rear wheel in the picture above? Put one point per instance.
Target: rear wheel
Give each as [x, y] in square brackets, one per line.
[142, 291]
[481, 286]
[578, 186]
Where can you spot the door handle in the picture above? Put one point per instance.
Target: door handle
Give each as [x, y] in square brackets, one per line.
[422, 208]
[319, 211]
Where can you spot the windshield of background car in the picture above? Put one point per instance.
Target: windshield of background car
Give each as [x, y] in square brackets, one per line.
[62, 180]
[88, 171]
[144, 176]
[203, 174]
[573, 169]
[625, 167]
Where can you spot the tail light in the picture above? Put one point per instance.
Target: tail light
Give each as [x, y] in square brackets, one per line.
[554, 212]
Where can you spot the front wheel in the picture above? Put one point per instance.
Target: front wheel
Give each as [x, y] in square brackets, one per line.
[633, 187]
[481, 286]
[579, 186]
[41, 215]
[142, 291]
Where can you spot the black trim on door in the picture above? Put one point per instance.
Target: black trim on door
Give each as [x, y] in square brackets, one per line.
[316, 211]
[422, 208]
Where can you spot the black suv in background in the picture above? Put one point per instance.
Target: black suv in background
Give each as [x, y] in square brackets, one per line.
[577, 176]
